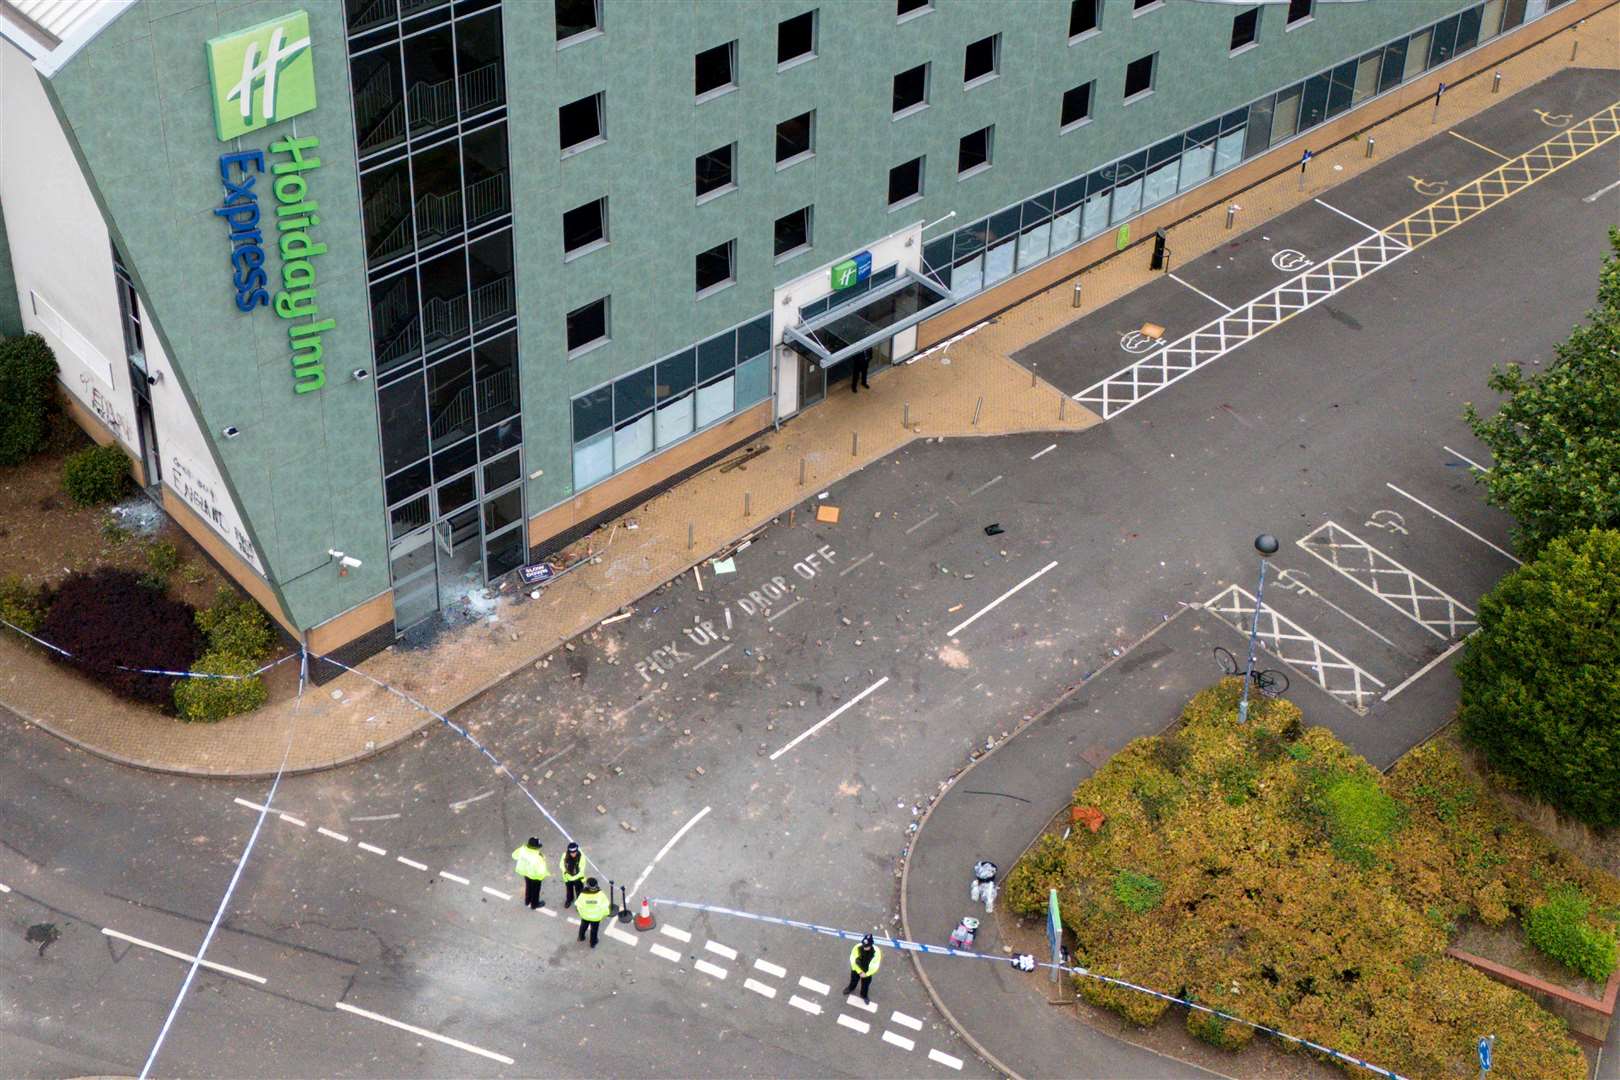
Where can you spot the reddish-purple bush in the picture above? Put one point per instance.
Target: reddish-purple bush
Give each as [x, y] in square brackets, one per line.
[108, 618]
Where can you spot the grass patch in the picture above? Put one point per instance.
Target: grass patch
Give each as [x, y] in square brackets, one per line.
[1136, 892]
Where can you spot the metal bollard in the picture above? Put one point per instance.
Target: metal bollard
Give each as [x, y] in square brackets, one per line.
[1574, 47]
[977, 406]
[1063, 402]
[905, 415]
[1370, 144]
[801, 472]
[688, 536]
[1075, 302]
[1032, 378]
[1496, 82]
[748, 504]
[854, 443]
[1231, 213]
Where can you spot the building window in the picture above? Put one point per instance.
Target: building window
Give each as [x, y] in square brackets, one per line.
[796, 39]
[792, 233]
[795, 139]
[579, 124]
[577, 18]
[1245, 28]
[973, 152]
[585, 228]
[905, 183]
[1076, 106]
[982, 61]
[1139, 6]
[1084, 17]
[715, 267]
[1298, 11]
[129, 306]
[588, 326]
[715, 172]
[715, 71]
[910, 9]
[1139, 76]
[911, 90]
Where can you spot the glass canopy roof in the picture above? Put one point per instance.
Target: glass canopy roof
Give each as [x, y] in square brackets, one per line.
[869, 319]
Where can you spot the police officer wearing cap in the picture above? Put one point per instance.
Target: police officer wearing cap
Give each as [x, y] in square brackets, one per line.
[593, 907]
[531, 867]
[573, 873]
[864, 961]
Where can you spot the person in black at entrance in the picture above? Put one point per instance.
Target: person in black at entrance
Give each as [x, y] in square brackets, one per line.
[859, 365]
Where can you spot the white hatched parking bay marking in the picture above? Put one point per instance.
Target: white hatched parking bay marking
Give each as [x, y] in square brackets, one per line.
[1323, 664]
[1426, 604]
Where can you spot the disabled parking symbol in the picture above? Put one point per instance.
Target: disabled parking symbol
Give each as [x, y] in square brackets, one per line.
[1289, 261]
[1554, 119]
[1136, 342]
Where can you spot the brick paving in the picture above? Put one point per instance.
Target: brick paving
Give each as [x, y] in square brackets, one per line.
[969, 388]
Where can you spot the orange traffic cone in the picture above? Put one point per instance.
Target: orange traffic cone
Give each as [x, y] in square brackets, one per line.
[644, 920]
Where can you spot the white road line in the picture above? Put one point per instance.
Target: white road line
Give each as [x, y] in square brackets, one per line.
[250, 805]
[675, 932]
[639, 702]
[717, 654]
[769, 968]
[1479, 146]
[1600, 192]
[464, 803]
[178, 955]
[666, 952]
[945, 1059]
[1200, 292]
[324, 831]
[852, 566]
[845, 1020]
[497, 893]
[997, 602]
[412, 863]
[1300, 586]
[923, 522]
[548, 913]
[898, 1040]
[1454, 521]
[721, 950]
[426, 1034]
[710, 969]
[635, 890]
[773, 616]
[1464, 457]
[622, 937]
[376, 817]
[760, 988]
[1357, 220]
[1423, 602]
[993, 480]
[1043, 453]
[852, 1000]
[457, 878]
[813, 986]
[363, 846]
[909, 1021]
[1426, 668]
[289, 819]
[830, 717]
[808, 1006]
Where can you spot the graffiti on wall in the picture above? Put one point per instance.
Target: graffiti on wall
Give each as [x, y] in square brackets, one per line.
[200, 495]
[102, 406]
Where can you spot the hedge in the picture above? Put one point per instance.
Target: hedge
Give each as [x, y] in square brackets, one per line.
[1562, 929]
[239, 639]
[21, 604]
[1295, 889]
[27, 382]
[95, 475]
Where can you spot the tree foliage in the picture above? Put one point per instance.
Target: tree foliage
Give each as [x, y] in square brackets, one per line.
[27, 381]
[1556, 438]
[1541, 678]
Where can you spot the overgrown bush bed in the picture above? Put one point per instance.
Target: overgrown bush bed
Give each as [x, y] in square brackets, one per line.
[239, 640]
[111, 621]
[1294, 886]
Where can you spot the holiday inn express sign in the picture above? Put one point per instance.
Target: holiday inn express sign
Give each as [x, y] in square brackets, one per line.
[262, 76]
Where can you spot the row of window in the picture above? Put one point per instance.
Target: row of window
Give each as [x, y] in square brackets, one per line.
[622, 422]
[1010, 241]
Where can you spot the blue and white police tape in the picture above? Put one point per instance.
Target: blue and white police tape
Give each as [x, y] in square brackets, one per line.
[1025, 962]
[149, 671]
[480, 747]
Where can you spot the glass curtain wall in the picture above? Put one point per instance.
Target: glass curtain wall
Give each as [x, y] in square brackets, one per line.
[429, 86]
[1010, 241]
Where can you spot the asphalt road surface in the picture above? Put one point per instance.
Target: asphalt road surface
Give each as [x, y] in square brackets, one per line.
[766, 743]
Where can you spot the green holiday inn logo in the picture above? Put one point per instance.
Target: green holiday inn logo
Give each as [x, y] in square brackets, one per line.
[261, 75]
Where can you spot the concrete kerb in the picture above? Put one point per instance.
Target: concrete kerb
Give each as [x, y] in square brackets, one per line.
[905, 869]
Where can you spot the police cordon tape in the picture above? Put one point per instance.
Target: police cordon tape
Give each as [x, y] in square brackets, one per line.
[481, 748]
[152, 671]
[1025, 962]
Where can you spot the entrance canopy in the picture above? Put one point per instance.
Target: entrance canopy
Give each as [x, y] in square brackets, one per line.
[869, 319]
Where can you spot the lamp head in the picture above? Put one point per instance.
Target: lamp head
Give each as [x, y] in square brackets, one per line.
[1266, 544]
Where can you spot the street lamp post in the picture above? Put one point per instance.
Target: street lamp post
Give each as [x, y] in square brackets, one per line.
[1266, 545]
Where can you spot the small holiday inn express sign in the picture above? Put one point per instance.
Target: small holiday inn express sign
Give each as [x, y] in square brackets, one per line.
[853, 271]
[261, 75]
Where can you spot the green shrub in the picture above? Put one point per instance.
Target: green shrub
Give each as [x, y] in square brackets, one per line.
[95, 475]
[27, 382]
[206, 700]
[21, 604]
[1210, 1028]
[1038, 872]
[1358, 817]
[1560, 928]
[1137, 892]
[236, 626]
[163, 557]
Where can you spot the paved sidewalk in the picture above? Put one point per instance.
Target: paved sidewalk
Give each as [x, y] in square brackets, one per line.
[350, 718]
